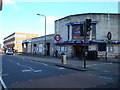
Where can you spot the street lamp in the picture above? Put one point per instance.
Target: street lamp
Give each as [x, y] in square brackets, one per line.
[45, 32]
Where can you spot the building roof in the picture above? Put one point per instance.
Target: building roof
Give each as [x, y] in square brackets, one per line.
[88, 14]
[44, 36]
[18, 33]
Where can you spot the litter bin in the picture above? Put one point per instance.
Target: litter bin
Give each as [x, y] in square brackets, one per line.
[63, 58]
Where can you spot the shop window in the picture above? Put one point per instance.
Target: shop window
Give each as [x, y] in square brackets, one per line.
[63, 48]
[66, 49]
[110, 49]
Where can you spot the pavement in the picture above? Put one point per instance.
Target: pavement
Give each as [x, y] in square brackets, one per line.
[71, 63]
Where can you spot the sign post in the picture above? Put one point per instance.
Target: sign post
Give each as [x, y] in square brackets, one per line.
[87, 29]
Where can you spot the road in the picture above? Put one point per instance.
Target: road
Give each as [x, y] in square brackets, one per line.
[26, 73]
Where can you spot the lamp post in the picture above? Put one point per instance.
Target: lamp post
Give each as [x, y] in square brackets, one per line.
[45, 33]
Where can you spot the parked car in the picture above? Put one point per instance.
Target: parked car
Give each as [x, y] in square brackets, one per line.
[9, 52]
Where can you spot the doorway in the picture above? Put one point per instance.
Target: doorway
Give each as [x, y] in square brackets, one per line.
[48, 49]
[78, 51]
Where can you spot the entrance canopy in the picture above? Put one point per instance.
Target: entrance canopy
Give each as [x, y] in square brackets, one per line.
[81, 42]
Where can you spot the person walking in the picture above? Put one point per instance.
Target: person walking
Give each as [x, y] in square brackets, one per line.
[106, 56]
[56, 53]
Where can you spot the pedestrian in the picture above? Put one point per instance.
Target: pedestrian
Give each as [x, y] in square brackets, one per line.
[56, 53]
[71, 55]
[34, 52]
[106, 56]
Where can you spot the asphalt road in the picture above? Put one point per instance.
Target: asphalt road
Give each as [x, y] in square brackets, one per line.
[27, 73]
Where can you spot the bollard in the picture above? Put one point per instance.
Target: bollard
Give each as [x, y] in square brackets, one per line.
[63, 59]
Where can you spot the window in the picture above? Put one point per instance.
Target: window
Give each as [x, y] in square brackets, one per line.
[18, 41]
[93, 31]
[40, 47]
[20, 35]
[63, 48]
[66, 48]
[77, 31]
[110, 49]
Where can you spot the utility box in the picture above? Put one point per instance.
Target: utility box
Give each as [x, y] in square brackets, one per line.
[63, 58]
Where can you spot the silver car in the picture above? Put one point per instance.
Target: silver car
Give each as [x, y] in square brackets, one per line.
[9, 52]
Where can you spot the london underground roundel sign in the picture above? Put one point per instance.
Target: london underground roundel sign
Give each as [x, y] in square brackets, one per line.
[109, 35]
[57, 37]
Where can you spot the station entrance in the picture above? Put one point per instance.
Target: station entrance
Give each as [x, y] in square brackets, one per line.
[78, 51]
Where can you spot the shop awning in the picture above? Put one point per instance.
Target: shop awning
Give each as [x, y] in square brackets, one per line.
[89, 42]
[26, 42]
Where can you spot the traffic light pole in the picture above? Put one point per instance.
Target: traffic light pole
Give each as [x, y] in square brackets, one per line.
[87, 30]
[84, 44]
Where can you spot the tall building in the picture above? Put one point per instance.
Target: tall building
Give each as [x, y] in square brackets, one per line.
[14, 41]
[0, 5]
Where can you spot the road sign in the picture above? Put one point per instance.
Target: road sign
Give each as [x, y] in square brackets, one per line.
[88, 33]
[109, 35]
[57, 37]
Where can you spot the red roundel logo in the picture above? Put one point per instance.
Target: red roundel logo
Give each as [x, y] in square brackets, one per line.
[109, 35]
[57, 37]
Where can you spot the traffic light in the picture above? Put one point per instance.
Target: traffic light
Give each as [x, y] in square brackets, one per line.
[88, 26]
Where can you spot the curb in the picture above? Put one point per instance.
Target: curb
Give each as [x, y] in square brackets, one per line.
[71, 67]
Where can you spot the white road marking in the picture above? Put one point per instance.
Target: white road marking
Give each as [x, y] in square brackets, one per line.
[31, 68]
[97, 64]
[18, 64]
[27, 70]
[105, 77]
[3, 84]
[44, 64]
[37, 70]
[4, 74]
[61, 68]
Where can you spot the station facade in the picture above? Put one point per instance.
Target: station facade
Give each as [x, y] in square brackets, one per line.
[37, 45]
[104, 36]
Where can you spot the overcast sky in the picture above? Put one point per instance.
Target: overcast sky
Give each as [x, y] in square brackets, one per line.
[21, 15]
